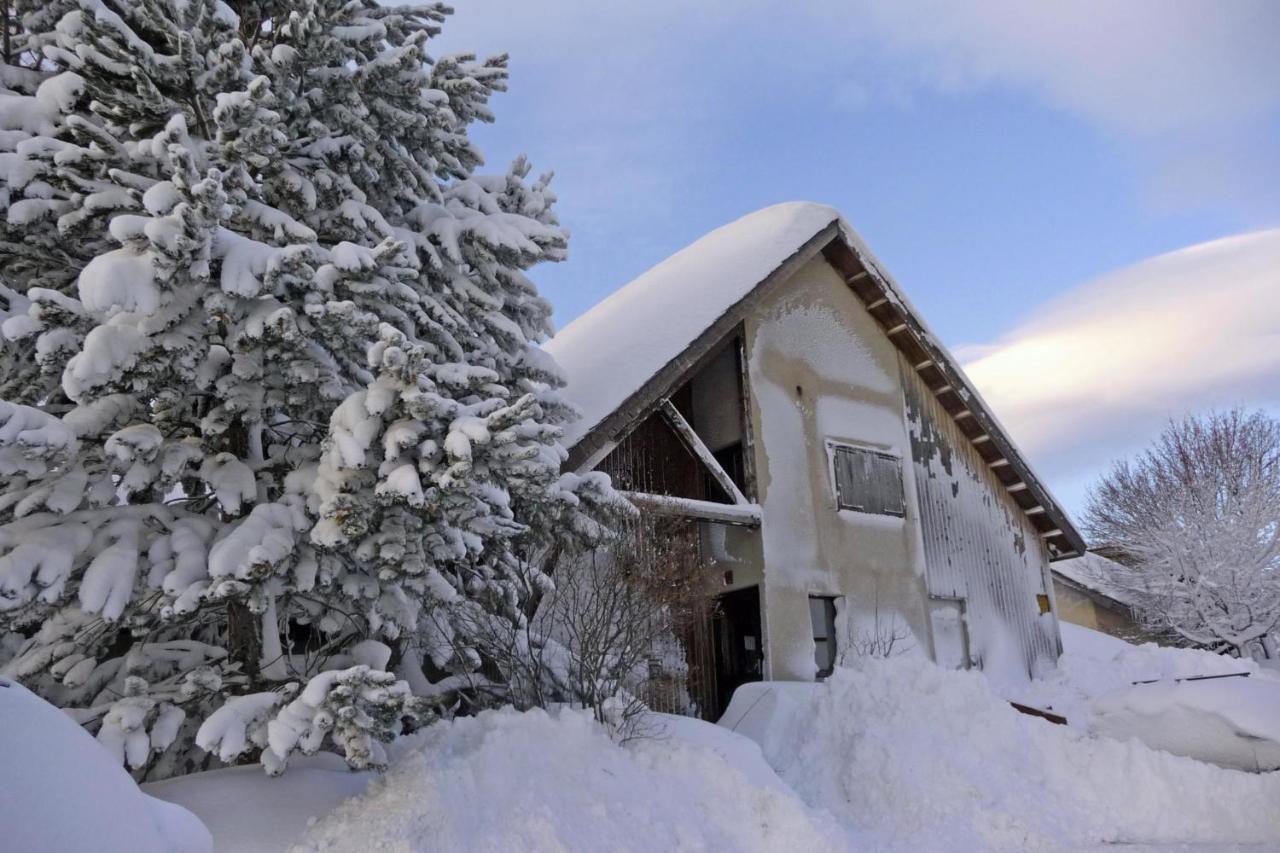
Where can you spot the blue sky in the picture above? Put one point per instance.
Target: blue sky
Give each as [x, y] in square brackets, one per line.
[997, 156]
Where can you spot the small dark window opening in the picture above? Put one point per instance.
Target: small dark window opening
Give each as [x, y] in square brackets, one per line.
[868, 481]
[734, 463]
[822, 612]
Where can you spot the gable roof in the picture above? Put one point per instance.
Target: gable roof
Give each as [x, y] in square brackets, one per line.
[625, 354]
[617, 345]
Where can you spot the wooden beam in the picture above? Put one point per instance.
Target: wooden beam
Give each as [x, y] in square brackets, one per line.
[694, 442]
[901, 327]
[999, 463]
[1017, 487]
[981, 439]
[962, 415]
[942, 389]
[883, 300]
[747, 515]
[1035, 510]
[928, 362]
[748, 430]
[857, 277]
[1049, 534]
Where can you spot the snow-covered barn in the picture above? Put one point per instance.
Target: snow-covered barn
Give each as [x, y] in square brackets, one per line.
[849, 486]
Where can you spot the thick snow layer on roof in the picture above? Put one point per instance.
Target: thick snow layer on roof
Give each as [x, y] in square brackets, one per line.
[1097, 573]
[612, 350]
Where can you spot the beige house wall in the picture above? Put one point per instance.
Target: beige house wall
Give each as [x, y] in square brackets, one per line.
[1078, 608]
[821, 369]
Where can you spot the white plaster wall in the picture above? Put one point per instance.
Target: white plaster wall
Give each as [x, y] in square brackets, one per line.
[820, 368]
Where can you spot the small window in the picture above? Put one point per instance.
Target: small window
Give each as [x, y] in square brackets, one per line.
[867, 480]
[822, 612]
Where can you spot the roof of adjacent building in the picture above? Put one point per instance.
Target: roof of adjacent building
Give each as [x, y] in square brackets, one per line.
[623, 355]
[1097, 574]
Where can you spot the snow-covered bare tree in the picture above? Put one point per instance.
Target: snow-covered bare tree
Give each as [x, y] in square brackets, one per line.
[1197, 519]
[272, 409]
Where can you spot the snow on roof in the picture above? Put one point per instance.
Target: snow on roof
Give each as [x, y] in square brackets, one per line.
[609, 352]
[1096, 573]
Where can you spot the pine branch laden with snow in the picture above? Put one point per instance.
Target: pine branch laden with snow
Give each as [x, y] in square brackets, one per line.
[270, 384]
[1197, 518]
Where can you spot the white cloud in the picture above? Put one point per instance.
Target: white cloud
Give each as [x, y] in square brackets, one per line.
[1138, 65]
[1095, 372]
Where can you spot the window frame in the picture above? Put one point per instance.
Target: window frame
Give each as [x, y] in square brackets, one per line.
[835, 447]
[829, 613]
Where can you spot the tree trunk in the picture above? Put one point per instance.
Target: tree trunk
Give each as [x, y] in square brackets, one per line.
[244, 638]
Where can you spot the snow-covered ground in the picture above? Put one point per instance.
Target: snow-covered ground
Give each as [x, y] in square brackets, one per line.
[908, 756]
[1231, 718]
[887, 755]
[61, 791]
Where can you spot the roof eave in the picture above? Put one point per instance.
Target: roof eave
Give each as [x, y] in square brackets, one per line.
[604, 434]
[885, 302]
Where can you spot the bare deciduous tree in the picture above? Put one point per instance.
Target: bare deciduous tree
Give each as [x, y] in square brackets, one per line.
[1197, 520]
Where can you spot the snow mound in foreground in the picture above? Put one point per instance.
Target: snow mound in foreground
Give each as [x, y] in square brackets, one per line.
[250, 812]
[64, 792]
[538, 781]
[1231, 722]
[911, 756]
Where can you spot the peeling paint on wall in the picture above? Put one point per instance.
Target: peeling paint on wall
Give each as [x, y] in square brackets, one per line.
[979, 546]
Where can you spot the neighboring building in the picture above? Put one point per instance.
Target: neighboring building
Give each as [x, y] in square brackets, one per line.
[1087, 594]
[771, 384]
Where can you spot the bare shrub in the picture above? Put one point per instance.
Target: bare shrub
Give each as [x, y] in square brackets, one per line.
[608, 637]
[619, 613]
[885, 637]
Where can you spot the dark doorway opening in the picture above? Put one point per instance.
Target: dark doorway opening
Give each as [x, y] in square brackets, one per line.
[739, 644]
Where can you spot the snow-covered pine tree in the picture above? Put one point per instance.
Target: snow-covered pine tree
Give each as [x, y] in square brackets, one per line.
[272, 415]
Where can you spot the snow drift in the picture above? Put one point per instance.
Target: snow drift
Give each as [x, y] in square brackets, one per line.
[64, 792]
[539, 781]
[909, 756]
[1231, 721]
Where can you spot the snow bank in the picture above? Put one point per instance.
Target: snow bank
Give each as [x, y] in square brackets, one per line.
[250, 812]
[538, 781]
[909, 756]
[64, 792]
[1231, 722]
[1094, 664]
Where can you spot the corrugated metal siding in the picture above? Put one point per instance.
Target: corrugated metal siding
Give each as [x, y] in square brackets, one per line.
[978, 544]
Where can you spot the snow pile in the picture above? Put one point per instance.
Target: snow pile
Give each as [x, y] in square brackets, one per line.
[1231, 722]
[909, 756]
[538, 781]
[1094, 664]
[250, 812]
[64, 792]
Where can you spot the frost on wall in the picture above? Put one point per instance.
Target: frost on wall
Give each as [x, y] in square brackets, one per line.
[979, 548]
